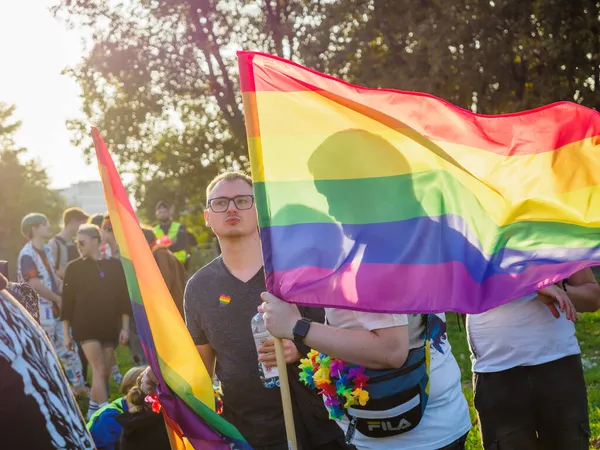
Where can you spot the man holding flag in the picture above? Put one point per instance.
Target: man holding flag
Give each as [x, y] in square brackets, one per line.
[222, 334]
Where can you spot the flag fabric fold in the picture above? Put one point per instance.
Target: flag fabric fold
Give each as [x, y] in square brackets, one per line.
[185, 388]
[400, 202]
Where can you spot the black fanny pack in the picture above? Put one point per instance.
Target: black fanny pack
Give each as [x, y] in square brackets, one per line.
[397, 397]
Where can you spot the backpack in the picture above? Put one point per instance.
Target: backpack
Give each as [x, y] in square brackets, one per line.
[60, 242]
[72, 252]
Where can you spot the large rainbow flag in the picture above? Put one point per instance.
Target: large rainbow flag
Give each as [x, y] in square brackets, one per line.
[185, 388]
[390, 201]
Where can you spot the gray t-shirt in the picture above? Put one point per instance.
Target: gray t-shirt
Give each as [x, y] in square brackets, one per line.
[63, 252]
[256, 411]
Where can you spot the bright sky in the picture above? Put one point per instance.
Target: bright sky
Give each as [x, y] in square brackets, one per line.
[34, 49]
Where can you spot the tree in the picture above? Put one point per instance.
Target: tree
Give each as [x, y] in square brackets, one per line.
[161, 78]
[161, 82]
[494, 57]
[24, 188]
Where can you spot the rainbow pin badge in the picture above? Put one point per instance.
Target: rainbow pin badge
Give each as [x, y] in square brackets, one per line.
[224, 300]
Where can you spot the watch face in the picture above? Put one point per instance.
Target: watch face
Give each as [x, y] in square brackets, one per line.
[301, 328]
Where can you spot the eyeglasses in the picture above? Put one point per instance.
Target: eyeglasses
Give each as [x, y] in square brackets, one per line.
[221, 204]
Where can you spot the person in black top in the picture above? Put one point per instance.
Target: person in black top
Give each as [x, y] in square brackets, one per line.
[95, 296]
[220, 301]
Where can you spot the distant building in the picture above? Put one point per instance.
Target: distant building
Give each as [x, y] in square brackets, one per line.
[87, 195]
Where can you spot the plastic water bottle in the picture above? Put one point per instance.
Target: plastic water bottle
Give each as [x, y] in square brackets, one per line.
[268, 375]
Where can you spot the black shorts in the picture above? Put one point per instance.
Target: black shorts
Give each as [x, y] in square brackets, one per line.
[103, 342]
[534, 407]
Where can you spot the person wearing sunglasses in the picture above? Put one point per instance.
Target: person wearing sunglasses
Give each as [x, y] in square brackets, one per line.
[95, 296]
[220, 301]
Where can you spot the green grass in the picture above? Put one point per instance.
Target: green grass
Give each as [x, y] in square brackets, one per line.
[460, 349]
[588, 333]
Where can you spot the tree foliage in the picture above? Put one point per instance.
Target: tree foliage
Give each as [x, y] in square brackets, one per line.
[160, 80]
[24, 188]
[492, 56]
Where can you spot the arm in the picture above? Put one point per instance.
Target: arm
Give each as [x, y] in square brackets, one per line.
[193, 321]
[42, 290]
[67, 339]
[32, 278]
[292, 350]
[124, 334]
[69, 296]
[583, 291]
[54, 254]
[386, 348]
[383, 348]
[208, 358]
[125, 322]
[314, 314]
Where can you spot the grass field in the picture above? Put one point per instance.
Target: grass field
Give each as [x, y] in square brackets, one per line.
[588, 333]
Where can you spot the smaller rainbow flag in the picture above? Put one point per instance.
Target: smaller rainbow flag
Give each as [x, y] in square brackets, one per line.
[185, 388]
[224, 300]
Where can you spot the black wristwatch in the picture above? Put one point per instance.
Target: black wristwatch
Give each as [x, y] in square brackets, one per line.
[301, 330]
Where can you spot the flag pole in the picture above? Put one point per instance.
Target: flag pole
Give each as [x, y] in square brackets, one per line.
[286, 398]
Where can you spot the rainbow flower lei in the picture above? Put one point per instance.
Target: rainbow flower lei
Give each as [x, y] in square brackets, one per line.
[218, 400]
[153, 400]
[341, 385]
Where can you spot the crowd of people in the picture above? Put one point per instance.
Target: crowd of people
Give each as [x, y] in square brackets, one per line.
[528, 377]
[73, 285]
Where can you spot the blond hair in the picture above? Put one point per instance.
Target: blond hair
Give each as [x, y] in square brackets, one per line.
[130, 379]
[90, 230]
[229, 176]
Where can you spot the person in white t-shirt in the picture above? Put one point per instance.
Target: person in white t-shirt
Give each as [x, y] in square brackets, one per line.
[382, 341]
[529, 387]
[379, 341]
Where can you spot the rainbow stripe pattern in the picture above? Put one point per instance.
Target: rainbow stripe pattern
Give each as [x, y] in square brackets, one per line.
[399, 202]
[224, 300]
[185, 388]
